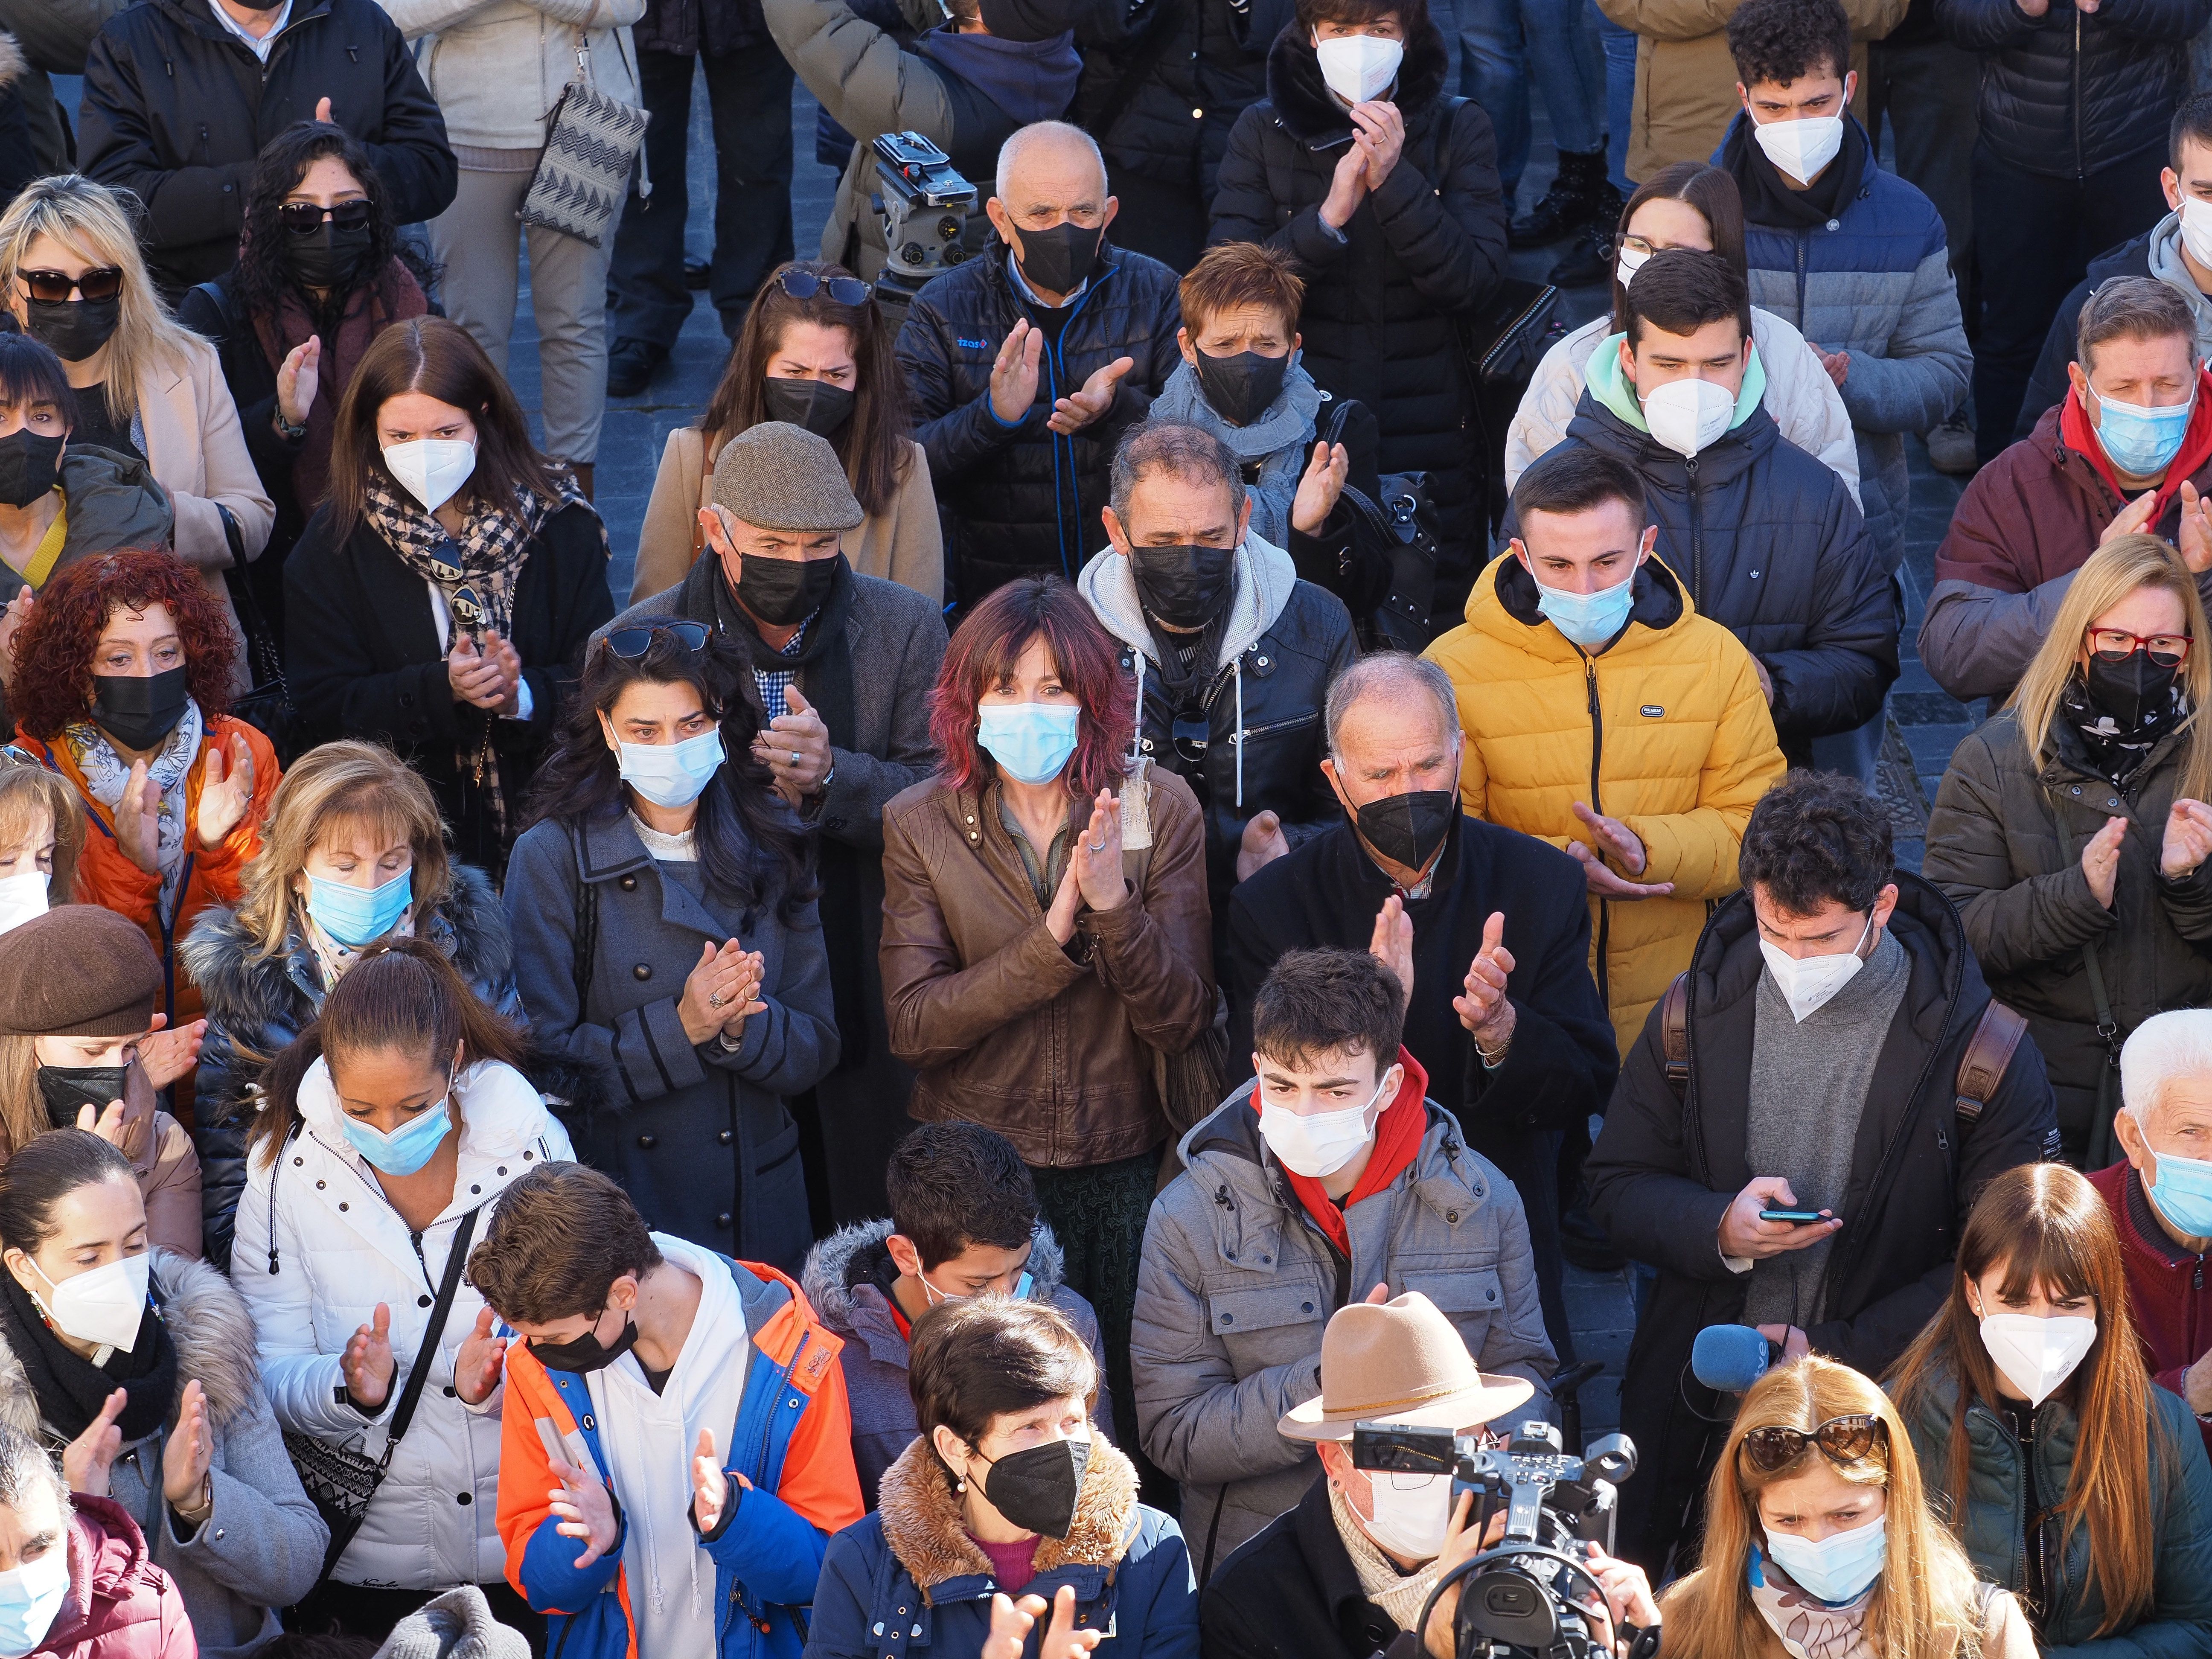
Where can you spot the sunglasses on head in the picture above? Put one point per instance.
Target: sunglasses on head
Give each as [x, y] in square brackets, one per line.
[305, 218]
[631, 643]
[51, 288]
[1841, 1440]
[845, 290]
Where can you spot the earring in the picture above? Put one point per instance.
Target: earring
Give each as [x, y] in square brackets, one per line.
[960, 1485]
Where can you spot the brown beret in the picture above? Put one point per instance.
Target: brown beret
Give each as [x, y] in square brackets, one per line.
[78, 970]
[777, 476]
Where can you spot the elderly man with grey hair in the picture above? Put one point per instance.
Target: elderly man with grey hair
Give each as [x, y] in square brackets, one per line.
[1026, 364]
[1488, 931]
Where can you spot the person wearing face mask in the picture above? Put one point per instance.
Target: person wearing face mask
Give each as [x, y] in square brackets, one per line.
[1364, 1186]
[1231, 652]
[392, 1129]
[2069, 1478]
[2087, 909]
[815, 351]
[1008, 1491]
[964, 1223]
[42, 831]
[1832, 1022]
[440, 598]
[842, 664]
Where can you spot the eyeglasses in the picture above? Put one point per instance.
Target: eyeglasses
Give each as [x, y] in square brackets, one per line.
[631, 643]
[51, 287]
[2116, 645]
[1644, 245]
[1841, 1439]
[305, 218]
[13, 755]
[845, 290]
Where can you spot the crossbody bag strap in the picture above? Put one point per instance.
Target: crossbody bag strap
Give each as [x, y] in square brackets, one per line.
[2101, 1127]
[418, 1374]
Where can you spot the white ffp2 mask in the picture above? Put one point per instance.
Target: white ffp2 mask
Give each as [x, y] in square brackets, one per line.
[1359, 68]
[1800, 148]
[1689, 415]
[1412, 1513]
[1809, 984]
[107, 1305]
[431, 469]
[1318, 1143]
[2037, 1356]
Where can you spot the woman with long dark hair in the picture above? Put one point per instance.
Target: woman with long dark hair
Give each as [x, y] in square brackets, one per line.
[320, 273]
[817, 352]
[662, 904]
[437, 600]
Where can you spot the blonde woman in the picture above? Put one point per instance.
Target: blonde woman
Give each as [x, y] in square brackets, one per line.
[2072, 830]
[41, 833]
[1819, 1542]
[144, 386]
[355, 851]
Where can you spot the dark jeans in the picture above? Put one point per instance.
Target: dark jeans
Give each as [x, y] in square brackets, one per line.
[1928, 89]
[749, 92]
[2033, 240]
[363, 1610]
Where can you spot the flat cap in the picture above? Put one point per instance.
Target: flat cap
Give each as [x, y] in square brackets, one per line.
[78, 970]
[777, 476]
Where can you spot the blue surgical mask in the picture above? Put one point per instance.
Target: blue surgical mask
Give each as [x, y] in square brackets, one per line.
[672, 774]
[1590, 620]
[1030, 740]
[1839, 1568]
[2141, 441]
[30, 1596]
[356, 916]
[408, 1147]
[2183, 1194]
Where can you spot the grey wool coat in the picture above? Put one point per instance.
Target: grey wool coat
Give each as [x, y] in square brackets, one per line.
[261, 1546]
[1235, 1283]
[699, 1135]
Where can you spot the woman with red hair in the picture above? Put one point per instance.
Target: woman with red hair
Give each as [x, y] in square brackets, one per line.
[1046, 935]
[121, 678]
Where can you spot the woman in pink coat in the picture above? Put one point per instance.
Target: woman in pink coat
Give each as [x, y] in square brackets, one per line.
[75, 1582]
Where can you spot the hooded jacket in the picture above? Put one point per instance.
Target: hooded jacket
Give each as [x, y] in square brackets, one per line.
[1283, 640]
[907, 1581]
[2069, 93]
[1665, 1169]
[2168, 1297]
[1691, 750]
[1236, 1283]
[120, 1605]
[110, 502]
[261, 1546]
[2156, 252]
[843, 1285]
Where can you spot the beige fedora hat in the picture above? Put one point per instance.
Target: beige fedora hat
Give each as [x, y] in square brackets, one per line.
[1399, 1361]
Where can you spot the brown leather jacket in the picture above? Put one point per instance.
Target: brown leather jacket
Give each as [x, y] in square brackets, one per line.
[1005, 1028]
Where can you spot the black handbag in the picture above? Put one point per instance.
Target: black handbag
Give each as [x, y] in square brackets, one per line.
[1398, 531]
[339, 1480]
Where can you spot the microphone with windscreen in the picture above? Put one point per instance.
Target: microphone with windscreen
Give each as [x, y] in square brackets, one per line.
[1730, 1358]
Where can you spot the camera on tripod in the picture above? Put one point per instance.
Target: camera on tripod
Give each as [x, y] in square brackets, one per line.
[1523, 1594]
[930, 217]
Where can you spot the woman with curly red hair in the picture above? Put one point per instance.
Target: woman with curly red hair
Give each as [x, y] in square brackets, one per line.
[1046, 934]
[121, 678]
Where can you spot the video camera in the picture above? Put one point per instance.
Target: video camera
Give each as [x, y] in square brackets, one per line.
[929, 214]
[1522, 1595]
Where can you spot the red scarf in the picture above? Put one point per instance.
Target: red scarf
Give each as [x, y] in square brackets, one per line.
[1398, 1134]
[2195, 446]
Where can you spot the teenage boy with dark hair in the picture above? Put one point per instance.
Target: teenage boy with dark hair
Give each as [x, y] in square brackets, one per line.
[663, 1402]
[1331, 1176]
[964, 1222]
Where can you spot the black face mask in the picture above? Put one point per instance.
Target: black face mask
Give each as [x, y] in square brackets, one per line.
[821, 408]
[66, 1088]
[1055, 261]
[139, 712]
[1244, 387]
[1036, 1488]
[586, 1352]
[781, 592]
[1408, 828]
[72, 329]
[1184, 587]
[2136, 692]
[329, 258]
[29, 465]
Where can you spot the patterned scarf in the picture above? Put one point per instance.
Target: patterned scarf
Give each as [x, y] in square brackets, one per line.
[2115, 753]
[106, 773]
[1809, 1629]
[334, 958]
[1402, 1595]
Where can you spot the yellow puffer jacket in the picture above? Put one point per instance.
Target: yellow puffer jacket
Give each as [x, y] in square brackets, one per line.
[1681, 747]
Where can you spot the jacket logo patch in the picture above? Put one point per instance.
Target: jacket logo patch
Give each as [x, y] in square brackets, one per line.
[973, 345]
[818, 1359]
[1652, 711]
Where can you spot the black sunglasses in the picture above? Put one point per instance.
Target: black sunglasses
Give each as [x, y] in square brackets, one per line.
[631, 643]
[1841, 1440]
[305, 218]
[51, 288]
[845, 290]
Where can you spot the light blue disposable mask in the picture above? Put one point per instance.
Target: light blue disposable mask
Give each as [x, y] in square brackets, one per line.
[1590, 620]
[356, 916]
[408, 1147]
[30, 1596]
[672, 773]
[1839, 1568]
[1031, 740]
[2139, 440]
[2183, 1194]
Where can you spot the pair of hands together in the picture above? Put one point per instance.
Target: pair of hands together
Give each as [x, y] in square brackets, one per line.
[1093, 877]
[187, 1455]
[1483, 1009]
[2193, 537]
[1014, 384]
[226, 793]
[487, 676]
[2186, 844]
[585, 1508]
[1378, 138]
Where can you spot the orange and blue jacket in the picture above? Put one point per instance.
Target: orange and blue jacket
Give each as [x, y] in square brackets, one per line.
[792, 1440]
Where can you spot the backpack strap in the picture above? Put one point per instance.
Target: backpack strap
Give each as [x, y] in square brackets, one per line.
[1674, 1032]
[1996, 1037]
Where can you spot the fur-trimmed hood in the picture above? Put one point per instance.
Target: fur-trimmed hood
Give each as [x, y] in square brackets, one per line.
[922, 1526]
[207, 1320]
[1308, 112]
[830, 1272]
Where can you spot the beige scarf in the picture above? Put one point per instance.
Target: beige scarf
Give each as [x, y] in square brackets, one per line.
[1402, 1595]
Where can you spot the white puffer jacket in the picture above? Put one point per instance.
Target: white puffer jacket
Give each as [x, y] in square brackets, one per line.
[1800, 396]
[497, 68]
[338, 1249]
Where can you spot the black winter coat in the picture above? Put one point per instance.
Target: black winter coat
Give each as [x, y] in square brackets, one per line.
[176, 108]
[361, 657]
[2048, 385]
[1380, 299]
[1665, 1171]
[1197, 63]
[256, 1004]
[1290, 1591]
[1021, 500]
[1772, 548]
[687, 27]
[2071, 91]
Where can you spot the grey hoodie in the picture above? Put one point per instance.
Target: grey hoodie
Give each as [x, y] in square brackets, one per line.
[2166, 264]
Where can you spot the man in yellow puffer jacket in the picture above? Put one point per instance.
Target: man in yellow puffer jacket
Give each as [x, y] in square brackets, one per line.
[1604, 715]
